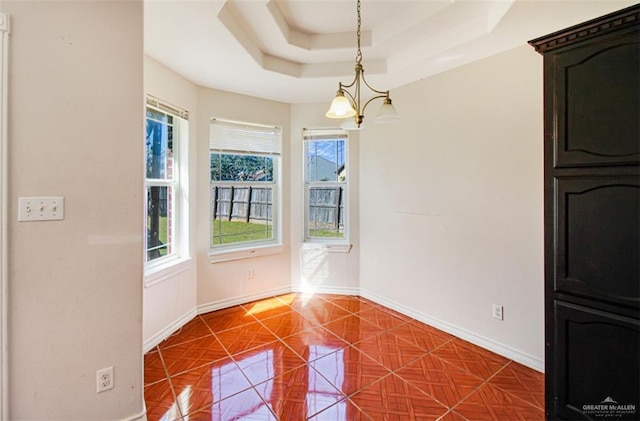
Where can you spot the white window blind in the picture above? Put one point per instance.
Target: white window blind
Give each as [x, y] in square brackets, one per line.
[166, 107]
[233, 136]
[325, 134]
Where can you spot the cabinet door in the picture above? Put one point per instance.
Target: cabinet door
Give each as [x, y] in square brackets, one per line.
[596, 103]
[597, 362]
[596, 238]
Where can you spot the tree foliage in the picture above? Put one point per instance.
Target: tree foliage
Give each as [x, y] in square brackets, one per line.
[231, 167]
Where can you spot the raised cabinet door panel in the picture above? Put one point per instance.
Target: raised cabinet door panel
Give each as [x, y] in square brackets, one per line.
[597, 103]
[592, 218]
[597, 360]
[597, 238]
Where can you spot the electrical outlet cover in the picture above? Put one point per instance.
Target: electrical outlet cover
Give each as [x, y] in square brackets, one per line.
[104, 379]
[498, 312]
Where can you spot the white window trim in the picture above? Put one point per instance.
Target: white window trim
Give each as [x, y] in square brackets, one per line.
[245, 253]
[329, 247]
[4, 249]
[164, 267]
[251, 249]
[329, 244]
[166, 271]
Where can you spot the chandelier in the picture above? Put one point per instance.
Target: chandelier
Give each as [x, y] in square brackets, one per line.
[348, 105]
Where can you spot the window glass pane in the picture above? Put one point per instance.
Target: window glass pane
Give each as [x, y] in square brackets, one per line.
[241, 167]
[243, 183]
[326, 160]
[159, 145]
[159, 222]
[325, 184]
[241, 213]
[326, 212]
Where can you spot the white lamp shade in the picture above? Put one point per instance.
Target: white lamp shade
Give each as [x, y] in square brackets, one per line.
[387, 113]
[340, 108]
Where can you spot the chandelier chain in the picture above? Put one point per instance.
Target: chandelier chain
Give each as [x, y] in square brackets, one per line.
[359, 53]
[348, 104]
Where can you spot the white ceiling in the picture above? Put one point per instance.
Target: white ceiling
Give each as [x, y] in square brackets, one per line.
[298, 50]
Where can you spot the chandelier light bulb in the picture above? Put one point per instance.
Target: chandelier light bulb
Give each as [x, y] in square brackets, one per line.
[387, 113]
[340, 107]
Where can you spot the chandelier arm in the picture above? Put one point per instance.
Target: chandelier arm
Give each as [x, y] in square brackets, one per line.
[386, 93]
[348, 94]
[353, 82]
[375, 97]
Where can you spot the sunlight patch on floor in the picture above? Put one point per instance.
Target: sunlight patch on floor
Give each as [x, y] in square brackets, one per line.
[270, 304]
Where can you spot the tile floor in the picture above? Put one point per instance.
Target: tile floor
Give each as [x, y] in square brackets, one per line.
[334, 358]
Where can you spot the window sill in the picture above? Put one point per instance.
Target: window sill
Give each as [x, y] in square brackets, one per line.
[246, 253]
[167, 270]
[329, 247]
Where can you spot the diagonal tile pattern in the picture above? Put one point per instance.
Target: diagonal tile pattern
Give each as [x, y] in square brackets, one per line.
[192, 354]
[349, 370]
[199, 388]
[334, 358]
[475, 360]
[153, 368]
[521, 381]
[491, 403]
[194, 329]
[448, 385]
[392, 398]
[382, 319]
[389, 350]
[421, 335]
[299, 394]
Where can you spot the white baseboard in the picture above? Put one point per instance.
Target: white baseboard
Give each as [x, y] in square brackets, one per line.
[486, 343]
[493, 346]
[150, 343]
[230, 302]
[327, 290]
[205, 308]
[141, 416]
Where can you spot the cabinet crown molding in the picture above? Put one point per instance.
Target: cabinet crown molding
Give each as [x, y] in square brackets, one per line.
[612, 22]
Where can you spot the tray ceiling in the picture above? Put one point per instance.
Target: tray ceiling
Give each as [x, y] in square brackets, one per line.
[297, 50]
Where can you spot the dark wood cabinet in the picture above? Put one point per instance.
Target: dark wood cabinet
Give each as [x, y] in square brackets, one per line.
[592, 218]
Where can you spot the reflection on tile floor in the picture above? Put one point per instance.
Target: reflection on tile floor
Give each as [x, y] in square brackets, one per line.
[333, 358]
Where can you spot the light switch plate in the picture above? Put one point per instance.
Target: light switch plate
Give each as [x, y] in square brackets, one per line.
[40, 209]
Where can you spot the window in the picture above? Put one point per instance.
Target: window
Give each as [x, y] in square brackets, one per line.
[166, 136]
[245, 165]
[325, 152]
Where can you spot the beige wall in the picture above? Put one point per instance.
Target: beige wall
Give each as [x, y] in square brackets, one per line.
[205, 286]
[460, 227]
[170, 298]
[316, 268]
[225, 283]
[75, 124]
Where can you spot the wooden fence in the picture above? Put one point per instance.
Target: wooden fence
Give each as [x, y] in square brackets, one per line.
[242, 203]
[326, 208]
[255, 203]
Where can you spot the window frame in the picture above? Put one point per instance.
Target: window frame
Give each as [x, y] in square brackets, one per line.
[253, 248]
[175, 186]
[343, 243]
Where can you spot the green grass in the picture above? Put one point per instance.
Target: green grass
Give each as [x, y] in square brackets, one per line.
[325, 234]
[238, 232]
[162, 234]
[163, 229]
